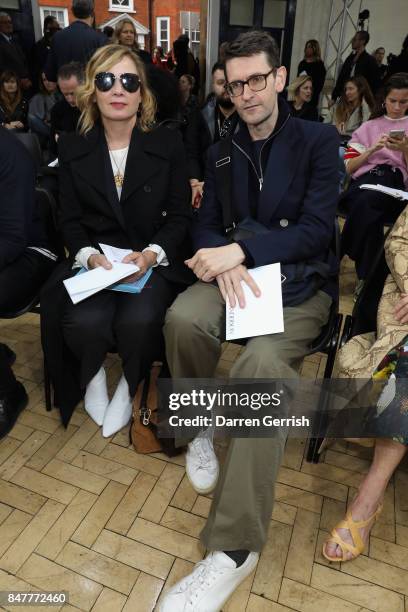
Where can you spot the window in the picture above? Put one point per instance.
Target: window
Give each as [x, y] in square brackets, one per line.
[274, 14]
[61, 14]
[190, 25]
[163, 33]
[121, 6]
[241, 12]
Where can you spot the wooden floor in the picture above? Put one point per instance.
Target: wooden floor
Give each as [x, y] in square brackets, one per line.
[115, 529]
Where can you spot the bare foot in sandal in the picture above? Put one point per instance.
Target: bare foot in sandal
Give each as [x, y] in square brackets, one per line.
[350, 537]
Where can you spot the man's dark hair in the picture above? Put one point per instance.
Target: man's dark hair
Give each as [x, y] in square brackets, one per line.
[364, 36]
[254, 42]
[217, 66]
[67, 71]
[108, 31]
[82, 9]
[49, 20]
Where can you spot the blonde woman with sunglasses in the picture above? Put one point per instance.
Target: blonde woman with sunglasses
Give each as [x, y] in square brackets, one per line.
[123, 183]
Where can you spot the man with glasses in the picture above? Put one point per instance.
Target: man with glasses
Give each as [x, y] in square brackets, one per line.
[283, 177]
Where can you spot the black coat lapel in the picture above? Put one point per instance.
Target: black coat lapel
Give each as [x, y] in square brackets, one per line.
[280, 169]
[140, 164]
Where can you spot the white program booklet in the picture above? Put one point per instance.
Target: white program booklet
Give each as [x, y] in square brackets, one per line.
[395, 193]
[84, 285]
[261, 315]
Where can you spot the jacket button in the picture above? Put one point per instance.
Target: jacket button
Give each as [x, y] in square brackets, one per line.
[147, 188]
[164, 213]
[284, 223]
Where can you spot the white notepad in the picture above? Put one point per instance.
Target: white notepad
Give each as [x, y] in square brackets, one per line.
[262, 315]
[395, 193]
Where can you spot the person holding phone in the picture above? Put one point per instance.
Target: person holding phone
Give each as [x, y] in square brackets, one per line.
[377, 153]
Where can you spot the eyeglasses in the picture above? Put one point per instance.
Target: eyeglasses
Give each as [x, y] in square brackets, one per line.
[130, 82]
[257, 82]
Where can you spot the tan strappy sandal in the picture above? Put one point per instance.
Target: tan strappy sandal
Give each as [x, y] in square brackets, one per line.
[353, 527]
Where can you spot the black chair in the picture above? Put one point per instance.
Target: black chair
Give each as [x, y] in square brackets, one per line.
[32, 144]
[326, 343]
[46, 207]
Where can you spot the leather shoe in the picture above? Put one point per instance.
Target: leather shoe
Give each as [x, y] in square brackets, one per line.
[11, 404]
[10, 355]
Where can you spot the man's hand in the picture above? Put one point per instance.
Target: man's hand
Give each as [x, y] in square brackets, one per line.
[96, 261]
[209, 263]
[231, 288]
[401, 309]
[143, 260]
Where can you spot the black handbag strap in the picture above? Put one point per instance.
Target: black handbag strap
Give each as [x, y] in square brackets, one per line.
[223, 172]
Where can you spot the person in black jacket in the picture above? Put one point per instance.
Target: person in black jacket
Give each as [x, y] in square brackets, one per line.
[358, 63]
[313, 65]
[300, 93]
[42, 48]
[11, 54]
[13, 107]
[122, 183]
[399, 63]
[77, 42]
[25, 259]
[65, 113]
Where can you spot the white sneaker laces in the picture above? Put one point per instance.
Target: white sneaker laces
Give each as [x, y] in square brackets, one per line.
[203, 453]
[203, 575]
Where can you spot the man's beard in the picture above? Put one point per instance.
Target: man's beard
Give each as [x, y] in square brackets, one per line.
[225, 103]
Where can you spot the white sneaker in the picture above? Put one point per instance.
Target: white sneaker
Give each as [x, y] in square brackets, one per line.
[210, 584]
[202, 466]
[96, 398]
[119, 411]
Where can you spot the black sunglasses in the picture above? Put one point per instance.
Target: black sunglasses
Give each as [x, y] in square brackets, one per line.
[130, 82]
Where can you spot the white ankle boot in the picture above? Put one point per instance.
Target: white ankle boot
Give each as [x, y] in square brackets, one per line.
[119, 411]
[96, 397]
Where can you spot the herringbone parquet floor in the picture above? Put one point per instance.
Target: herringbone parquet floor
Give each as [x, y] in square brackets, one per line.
[89, 516]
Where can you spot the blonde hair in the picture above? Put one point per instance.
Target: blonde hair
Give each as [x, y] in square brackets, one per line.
[293, 88]
[118, 32]
[102, 61]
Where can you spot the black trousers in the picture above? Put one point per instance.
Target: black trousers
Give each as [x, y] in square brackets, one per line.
[367, 211]
[20, 281]
[130, 324]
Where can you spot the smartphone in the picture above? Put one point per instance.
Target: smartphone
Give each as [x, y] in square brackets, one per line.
[397, 134]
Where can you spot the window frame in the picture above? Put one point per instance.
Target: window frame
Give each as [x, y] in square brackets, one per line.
[159, 40]
[54, 9]
[117, 8]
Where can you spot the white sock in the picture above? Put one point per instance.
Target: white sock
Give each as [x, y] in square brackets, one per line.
[119, 410]
[96, 397]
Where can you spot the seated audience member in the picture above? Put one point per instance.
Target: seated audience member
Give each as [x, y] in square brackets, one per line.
[65, 113]
[379, 55]
[353, 108]
[381, 356]
[158, 59]
[40, 107]
[313, 66]
[188, 99]
[283, 178]
[125, 34]
[377, 153]
[25, 259]
[215, 121]
[300, 93]
[12, 56]
[122, 183]
[13, 107]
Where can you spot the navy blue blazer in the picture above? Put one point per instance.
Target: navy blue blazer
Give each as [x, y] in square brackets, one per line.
[298, 198]
[76, 43]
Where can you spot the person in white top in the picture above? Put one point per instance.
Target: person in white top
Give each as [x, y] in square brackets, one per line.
[123, 183]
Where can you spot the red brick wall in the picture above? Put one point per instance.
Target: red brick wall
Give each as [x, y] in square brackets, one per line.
[161, 8]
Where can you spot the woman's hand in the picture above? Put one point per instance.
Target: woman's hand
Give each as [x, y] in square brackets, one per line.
[98, 261]
[398, 144]
[144, 261]
[401, 309]
[380, 144]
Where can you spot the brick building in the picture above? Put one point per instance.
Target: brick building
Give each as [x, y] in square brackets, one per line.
[157, 22]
